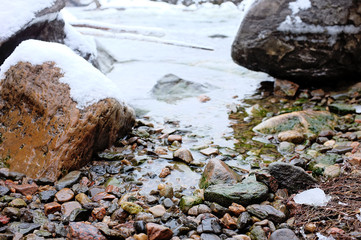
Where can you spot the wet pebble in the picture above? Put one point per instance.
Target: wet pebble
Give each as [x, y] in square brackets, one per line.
[64, 195]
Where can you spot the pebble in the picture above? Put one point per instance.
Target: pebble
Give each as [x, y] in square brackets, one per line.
[184, 155]
[157, 210]
[64, 195]
[172, 138]
[68, 207]
[158, 232]
[210, 151]
[18, 203]
[52, 207]
[168, 203]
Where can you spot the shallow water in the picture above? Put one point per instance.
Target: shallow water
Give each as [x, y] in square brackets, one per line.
[140, 64]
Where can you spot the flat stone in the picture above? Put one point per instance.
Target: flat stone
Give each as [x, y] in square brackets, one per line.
[157, 210]
[291, 136]
[172, 138]
[283, 234]
[23, 228]
[209, 236]
[246, 192]
[26, 189]
[68, 180]
[46, 196]
[266, 212]
[82, 230]
[64, 195]
[18, 203]
[52, 207]
[210, 151]
[68, 207]
[187, 202]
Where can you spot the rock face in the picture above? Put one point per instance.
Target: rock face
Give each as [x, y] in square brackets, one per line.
[43, 132]
[41, 21]
[301, 40]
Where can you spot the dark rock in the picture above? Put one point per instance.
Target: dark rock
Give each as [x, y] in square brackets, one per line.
[61, 144]
[291, 177]
[209, 225]
[217, 172]
[258, 233]
[23, 228]
[4, 190]
[247, 192]
[139, 227]
[82, 230]
[266, 212]
[47, 196]
[283, 234]
[68, 180]
[12, 212]
[243, 220]
[300, 43]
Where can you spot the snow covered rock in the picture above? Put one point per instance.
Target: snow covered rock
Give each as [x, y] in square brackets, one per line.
[39, 19]
[56, 110]
[301, 40]
[313, 197]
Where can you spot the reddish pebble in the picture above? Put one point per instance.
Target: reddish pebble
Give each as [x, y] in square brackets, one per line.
[99, 213]
[158, 232]
[204, 98]
[236, 209]
[64, 195]
[229, 222]
[103, 196]
[4, 220]
[82, 231]
[26, 189]
[165, 172]
[52, 207]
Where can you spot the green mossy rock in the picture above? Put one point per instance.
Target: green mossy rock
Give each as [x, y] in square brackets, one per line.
[131, 208]
[187, 202]
[246, 192]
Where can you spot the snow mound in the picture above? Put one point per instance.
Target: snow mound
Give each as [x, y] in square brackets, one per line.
[14, 14]
[87, 84]
[314, 197]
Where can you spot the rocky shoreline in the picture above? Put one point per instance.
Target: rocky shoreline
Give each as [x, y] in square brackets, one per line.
[109, 198]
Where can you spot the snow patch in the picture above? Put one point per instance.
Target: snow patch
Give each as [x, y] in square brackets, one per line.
[314, 197]
[87, 84]
[299, 5]
[321, 237]
[15, 14]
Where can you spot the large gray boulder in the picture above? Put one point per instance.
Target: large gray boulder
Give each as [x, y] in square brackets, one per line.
[301, 40]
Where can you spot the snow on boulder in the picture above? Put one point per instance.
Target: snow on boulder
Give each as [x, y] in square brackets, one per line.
[56, 110]
[39, 19]
[301, 40]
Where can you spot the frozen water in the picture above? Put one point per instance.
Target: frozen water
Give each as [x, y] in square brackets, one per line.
[87, 84]
[299, 5]
[141, 62]
[314, 197]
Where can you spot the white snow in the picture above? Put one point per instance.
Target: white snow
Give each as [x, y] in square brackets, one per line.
[87, 84]
[299, 5]
[321, 237]
[15, 14]
[314, 197]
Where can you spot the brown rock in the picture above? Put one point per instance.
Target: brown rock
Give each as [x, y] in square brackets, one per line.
[172, 138]
[284, 88]
[158, 232]
[237, 209]
[217, 172]
[26, 189]
[228, 221]
[52, 207]
[210, 151]
[82, 198]
[165, 172]
[99, 213]
[161, 151]
[292, 136]
[45, 132]
[68, 207]
[183, 154]
[103, 196]
[83, 230]
[140, 236]
[64, 195]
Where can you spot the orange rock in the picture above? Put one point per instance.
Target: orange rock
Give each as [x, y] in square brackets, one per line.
[26, 189]
[236, 209]
[99, 213]
[228, 221]
[165, 172]
[52, 207]
[44, 131]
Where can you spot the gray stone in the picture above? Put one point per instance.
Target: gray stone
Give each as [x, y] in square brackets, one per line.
[23, 228]
[283, 234]
[316, 42]
[172, 88]
[291, 177]
[257, 233]
[243, 220]
[208, 236]
[266, 212]
[246, 192]
[68, 180]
